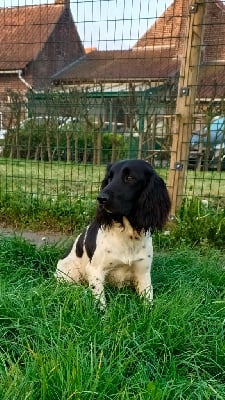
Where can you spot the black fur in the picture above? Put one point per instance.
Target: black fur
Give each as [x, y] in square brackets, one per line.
[90, 241]
[132, 188]
[80, 244]
[87, 239]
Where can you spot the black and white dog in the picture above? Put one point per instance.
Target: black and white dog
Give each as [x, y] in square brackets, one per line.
[117, 246]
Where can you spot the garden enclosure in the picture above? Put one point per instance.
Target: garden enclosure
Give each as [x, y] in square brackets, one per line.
[150, 85]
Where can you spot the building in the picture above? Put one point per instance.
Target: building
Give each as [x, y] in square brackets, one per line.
[35, 42]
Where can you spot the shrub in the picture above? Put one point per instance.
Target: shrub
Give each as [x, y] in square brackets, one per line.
[199, 223]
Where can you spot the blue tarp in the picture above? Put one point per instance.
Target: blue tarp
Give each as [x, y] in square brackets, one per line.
[217, 133]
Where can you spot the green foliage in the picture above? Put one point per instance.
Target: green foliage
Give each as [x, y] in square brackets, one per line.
[30, 138]
[197, 223]
[55, 344]
[61, 196]
[56, 214]
[201, 223]
[51, 139]
[125, 148]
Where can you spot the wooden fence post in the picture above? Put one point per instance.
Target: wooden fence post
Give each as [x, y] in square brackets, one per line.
[185, 103]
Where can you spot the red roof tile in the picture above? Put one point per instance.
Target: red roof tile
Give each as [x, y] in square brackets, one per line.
[158, 53]
[121, 65]
[24, 31]
[211, 82]
[169, 30]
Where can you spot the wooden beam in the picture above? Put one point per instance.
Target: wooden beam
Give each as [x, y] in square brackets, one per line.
[185, 103]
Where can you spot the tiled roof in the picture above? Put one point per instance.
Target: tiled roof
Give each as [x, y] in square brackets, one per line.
[128, 65]
[211, 82]
[169, 30]
[24, 31]
[214, 31]
[121, 65]
[157, 55]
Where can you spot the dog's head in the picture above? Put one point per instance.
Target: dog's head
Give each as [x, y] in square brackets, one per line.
[132, 189]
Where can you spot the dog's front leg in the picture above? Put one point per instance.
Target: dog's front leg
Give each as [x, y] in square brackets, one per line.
[143, 284]
[95, 278]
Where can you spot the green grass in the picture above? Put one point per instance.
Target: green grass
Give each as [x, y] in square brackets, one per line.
[60, 196]
[56, 178]
[48, 196]
[22, 211]
[207, 185]
[50, 179]
[54, 343]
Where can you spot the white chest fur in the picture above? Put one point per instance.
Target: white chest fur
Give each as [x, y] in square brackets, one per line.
[122, 246]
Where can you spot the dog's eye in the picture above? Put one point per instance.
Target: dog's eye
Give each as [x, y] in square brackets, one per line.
[129, 178]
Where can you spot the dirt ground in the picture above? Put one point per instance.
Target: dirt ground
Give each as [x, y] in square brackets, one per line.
[38, 238]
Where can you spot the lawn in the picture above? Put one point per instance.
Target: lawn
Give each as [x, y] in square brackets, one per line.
[50, 179]
[54, 343]
[62, 196]
[57, 178]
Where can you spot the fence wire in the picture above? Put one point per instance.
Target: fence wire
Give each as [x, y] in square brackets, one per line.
[84, 83]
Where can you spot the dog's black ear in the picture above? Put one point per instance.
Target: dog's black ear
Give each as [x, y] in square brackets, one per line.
[103, 218]
[106, 177]
[154, 204]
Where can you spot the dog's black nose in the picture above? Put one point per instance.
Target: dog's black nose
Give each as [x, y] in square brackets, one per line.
[103, 198]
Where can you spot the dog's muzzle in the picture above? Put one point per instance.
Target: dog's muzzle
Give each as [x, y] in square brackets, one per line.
[103, 199]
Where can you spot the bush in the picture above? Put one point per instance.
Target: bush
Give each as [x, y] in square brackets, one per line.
[46, 140]
[199, 223]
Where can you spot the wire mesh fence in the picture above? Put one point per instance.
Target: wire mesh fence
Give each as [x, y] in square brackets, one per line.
[84, 83]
